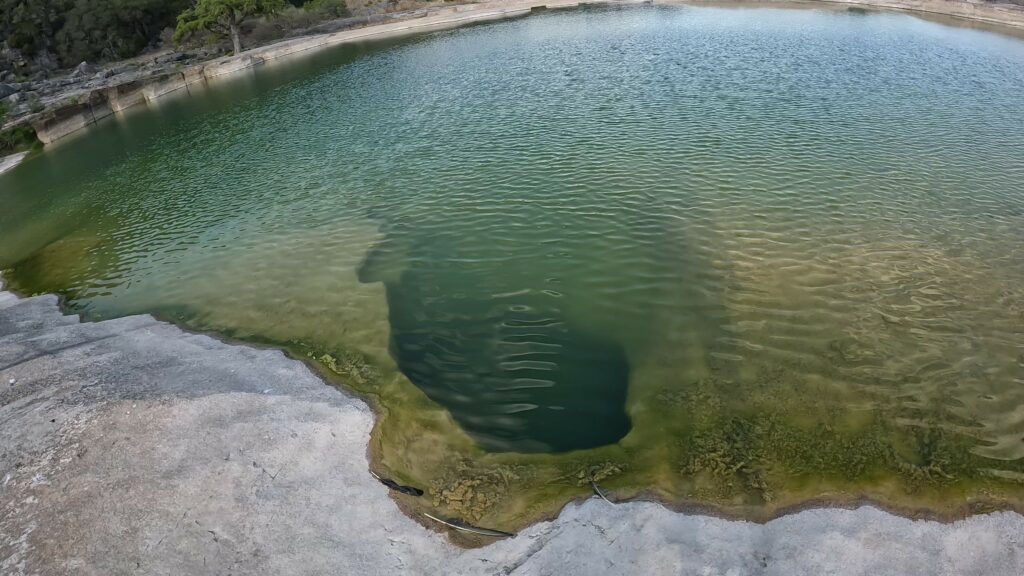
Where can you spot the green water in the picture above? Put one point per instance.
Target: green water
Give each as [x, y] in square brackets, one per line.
[687, 230]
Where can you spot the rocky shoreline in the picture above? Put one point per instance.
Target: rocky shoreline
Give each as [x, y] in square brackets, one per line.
[130, 445]
[61, 106]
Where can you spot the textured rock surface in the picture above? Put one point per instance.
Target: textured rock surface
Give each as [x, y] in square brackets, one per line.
[131, 446]
[8, 162]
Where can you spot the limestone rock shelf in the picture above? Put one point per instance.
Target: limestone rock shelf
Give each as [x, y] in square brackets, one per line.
[132, 446]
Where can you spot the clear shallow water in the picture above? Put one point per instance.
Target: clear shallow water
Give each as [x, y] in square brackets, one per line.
[567, 227]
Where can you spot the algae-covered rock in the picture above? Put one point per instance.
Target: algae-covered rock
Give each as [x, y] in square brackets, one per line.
[351, 365]
[598, 472]
[472, 491]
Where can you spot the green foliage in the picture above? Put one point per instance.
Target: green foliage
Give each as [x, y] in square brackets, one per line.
[294, 17]
[222, 17]
[18, 138]
[72, 31]
[30, 25]
[111, 29]
[77, 30]
[329, 8]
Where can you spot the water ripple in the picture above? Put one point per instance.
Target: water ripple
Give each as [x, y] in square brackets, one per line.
[560, 205]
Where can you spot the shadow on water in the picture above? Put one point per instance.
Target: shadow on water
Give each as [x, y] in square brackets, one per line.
[513, 372]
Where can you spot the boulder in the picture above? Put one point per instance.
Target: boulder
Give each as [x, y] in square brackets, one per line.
[82, 70]
[7, 89]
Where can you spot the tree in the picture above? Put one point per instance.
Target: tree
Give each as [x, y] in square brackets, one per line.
[29, 25]
[222, 17]
[112, 29]
[76, 30]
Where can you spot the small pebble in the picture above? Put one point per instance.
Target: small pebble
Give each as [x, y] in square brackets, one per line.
[11, 381]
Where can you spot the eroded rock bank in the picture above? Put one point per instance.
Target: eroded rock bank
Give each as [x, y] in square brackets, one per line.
[132, 446]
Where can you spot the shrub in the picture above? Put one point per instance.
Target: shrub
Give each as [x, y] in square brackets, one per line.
[18, 138]
[328, 8]
[77, 30]
[268, 29]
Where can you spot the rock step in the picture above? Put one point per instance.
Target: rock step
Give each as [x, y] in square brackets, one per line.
[33, 314]
[49, 341]
[7, 299]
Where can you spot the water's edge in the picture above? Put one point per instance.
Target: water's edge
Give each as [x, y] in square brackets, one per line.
[414, 508]
[548, 507]
[72, 503]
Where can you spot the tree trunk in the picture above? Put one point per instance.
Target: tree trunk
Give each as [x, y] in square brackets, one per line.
[236, 42]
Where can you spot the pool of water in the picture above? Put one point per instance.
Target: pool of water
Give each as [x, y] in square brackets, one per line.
[654, 226]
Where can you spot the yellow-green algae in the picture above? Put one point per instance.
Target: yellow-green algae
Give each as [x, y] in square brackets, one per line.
[751, 454]
[750, 443]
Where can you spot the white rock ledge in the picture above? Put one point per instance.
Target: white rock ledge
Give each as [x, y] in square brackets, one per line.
[130, 446]
[9, 162]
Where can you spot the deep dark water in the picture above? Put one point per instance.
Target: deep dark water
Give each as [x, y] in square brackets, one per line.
[516, 375]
